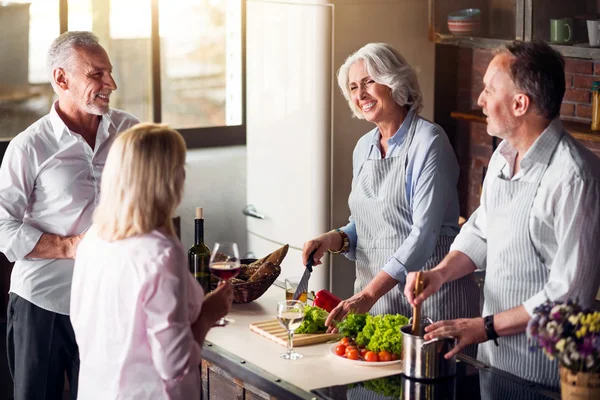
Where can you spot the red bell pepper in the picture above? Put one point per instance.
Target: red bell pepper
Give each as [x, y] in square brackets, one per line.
[326, 300]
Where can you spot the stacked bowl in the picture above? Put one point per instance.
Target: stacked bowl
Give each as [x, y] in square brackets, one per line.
[464, 22]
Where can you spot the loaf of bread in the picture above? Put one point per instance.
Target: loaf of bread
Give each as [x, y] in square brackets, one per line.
[275, 257]
[266, 269]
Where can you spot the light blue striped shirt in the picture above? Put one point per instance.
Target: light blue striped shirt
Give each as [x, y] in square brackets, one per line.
[431, 178]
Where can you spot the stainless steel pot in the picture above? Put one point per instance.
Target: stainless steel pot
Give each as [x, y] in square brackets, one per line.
[423, 359]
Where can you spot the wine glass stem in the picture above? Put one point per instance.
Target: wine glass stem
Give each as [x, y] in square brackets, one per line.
[290, 344]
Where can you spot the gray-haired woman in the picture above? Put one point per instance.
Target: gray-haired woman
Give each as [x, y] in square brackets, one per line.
[403, 204]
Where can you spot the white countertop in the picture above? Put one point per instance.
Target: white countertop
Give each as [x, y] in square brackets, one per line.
[318, 368]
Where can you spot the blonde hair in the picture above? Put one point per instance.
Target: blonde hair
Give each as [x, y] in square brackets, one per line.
[387, 67]
[142, 182]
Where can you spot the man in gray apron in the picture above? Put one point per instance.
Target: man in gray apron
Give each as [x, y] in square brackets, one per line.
[537, 228]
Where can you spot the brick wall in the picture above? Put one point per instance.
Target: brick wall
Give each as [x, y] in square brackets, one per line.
[471, 142]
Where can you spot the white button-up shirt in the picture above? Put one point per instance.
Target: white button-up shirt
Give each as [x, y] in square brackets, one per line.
[132, 306]
[564, 220]
[50, 183]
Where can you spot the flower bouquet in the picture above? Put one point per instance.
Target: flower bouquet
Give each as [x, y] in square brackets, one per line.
[570, 334]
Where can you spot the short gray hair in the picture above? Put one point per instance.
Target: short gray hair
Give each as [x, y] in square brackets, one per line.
[61, 49]
[387, 67]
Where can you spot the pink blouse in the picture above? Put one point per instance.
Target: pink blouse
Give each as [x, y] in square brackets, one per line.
[132, 305]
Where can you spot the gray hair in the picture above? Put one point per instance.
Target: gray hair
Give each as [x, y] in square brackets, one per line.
[61, 49]
[387, 67]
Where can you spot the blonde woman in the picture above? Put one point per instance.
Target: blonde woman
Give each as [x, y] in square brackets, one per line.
[139, 316]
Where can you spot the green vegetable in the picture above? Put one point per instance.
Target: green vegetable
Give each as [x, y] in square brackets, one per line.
[314, 320]
[377, 333]
[352, 325]
[382, 332]
[390, 386]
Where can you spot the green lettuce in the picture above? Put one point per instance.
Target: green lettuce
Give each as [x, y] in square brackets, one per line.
[352, 325]
[377, 333]
[314, 320]
[382, 332]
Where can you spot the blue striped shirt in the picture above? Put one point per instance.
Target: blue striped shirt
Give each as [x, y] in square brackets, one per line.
[431, 178]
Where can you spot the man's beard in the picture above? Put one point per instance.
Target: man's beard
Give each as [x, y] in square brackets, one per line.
[91, 107]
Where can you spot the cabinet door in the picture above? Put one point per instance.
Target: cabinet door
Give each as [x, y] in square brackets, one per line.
[495, 19]
[564, 22]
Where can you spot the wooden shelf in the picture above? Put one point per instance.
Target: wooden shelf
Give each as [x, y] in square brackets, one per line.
[473, 42]
[579, 130]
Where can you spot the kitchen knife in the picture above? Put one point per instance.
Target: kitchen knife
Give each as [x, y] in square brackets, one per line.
[303, 285]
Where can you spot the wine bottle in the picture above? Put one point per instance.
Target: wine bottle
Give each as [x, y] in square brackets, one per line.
[199, 254]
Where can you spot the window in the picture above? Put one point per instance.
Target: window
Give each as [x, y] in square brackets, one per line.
[175, 61]
[27, 29]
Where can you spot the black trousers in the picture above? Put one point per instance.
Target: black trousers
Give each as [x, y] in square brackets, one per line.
[41, 348]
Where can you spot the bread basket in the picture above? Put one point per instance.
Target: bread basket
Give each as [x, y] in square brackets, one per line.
[245, 292]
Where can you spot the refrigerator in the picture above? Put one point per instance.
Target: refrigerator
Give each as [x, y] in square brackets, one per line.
[300, 130]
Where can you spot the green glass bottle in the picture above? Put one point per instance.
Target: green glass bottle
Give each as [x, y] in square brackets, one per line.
[199, 254]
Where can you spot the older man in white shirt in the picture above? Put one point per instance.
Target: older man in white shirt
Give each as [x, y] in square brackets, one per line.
[537, 228]
[49, 187]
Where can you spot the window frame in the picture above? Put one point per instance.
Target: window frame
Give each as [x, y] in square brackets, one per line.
[216, 136]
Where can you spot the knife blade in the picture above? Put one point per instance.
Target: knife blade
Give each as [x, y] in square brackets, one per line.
[303, 285]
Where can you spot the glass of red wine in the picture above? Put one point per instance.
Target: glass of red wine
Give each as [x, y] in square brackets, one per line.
[224, 264]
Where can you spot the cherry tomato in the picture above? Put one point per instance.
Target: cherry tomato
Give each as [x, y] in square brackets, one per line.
[363, 351]
[384, 356]
[340, 349]
[350, 348]
[345, 341]
[371, 356]
[352, 355]
[395, 357]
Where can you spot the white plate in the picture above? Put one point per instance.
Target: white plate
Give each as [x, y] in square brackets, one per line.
[361, 362]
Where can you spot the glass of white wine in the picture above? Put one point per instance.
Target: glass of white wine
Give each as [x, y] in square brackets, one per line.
[290, 314]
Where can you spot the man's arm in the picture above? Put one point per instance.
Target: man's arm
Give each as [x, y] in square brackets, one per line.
[454, 266]
[20, 240]
[54, 246]
[574, 269]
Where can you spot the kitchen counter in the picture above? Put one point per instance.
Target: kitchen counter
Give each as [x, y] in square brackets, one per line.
[251, 358]
[235, 346]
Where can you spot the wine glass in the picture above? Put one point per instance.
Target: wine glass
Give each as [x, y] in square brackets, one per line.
[290, 314]
[224, 264]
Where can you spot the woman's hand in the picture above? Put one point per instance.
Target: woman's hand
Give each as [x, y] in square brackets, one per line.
[359, 303]
[432, 281]
[324, 242]
[217, 303]
[466, 330]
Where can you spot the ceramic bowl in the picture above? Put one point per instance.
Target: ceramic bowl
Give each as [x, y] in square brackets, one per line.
[464, 22]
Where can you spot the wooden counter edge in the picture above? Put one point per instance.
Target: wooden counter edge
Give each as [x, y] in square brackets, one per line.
[253, 375]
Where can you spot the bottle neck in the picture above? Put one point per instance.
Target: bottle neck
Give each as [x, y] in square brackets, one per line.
[199, 231]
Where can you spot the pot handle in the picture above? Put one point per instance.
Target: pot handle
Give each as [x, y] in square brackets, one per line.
[437, 339]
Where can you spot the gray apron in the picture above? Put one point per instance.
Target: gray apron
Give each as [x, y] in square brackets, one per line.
[514, 273]
[383, 218]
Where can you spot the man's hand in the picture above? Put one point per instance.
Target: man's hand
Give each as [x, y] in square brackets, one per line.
[432, 281]
[74, 244]
[359, 303]
[466, 330]
[51, 246]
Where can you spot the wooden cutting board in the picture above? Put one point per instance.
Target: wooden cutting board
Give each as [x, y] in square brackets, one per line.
[273, 331]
